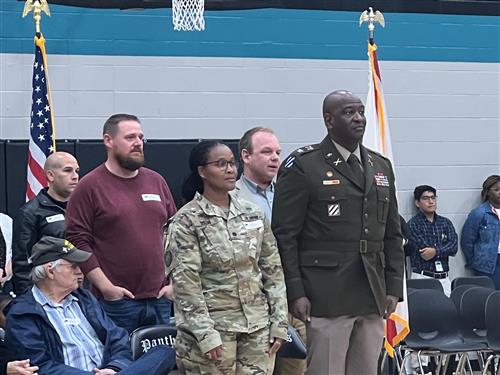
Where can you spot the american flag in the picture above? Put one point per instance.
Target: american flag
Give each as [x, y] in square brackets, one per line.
[42, 139]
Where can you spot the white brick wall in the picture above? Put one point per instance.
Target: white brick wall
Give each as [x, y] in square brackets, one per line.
[444, 116]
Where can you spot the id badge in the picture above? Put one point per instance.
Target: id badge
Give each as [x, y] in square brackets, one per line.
[439, 266]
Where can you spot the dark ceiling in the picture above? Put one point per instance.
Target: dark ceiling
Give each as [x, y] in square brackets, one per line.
[477, 7]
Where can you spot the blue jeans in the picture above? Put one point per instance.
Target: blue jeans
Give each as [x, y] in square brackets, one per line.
[160, 360]
[131, 314]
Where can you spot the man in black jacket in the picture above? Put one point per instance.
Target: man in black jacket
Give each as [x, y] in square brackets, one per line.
[42, 216]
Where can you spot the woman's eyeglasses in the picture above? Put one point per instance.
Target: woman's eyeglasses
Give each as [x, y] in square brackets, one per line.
[222, 164]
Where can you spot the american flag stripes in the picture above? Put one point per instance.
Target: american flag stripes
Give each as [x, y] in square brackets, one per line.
[42, 137]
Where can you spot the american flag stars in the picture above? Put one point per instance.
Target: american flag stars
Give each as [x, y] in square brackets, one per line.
[41, 127]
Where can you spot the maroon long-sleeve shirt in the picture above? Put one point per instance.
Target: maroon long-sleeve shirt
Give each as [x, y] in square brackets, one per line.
[119, 220]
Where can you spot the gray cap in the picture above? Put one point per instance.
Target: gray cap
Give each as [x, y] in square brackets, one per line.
[50, 249]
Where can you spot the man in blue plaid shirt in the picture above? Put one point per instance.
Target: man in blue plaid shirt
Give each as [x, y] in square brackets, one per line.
[434, 236]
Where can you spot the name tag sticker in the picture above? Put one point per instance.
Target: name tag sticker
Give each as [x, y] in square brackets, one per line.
[54, 218]
[331, 182]
[249, 225]
[151, 197]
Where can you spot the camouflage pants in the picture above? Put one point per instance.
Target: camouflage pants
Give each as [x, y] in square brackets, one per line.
[243, 354]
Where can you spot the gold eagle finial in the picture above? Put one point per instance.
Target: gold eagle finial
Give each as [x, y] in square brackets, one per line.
[37, 6]
[372, 17]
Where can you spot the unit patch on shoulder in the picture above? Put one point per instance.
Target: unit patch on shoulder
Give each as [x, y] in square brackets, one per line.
[289, 162]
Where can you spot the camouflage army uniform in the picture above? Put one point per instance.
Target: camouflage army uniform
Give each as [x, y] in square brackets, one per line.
[228, 285]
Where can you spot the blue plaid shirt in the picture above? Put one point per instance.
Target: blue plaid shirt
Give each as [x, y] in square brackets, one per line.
[439, 234]
[82, 348]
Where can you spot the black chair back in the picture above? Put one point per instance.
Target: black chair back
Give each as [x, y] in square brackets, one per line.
[493, 321]
[483, 281]
[472, 313]
[145, 338]
[429, 283]
[434, 320]
[458, 292]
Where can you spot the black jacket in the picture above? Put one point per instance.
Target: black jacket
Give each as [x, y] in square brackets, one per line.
[37, 218]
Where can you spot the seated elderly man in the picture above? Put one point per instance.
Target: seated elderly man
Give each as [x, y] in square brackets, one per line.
[63, 330]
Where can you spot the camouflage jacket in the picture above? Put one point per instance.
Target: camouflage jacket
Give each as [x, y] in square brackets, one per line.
[226, 271]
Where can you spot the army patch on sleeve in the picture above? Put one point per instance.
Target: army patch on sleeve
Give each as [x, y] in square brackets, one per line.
[289, 161]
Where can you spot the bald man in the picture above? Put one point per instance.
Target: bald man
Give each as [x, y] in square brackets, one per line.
[336, 221]
[42, 216]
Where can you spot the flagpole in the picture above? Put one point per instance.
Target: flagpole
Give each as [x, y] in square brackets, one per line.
[377, 137]
[42, 135]
[39, 6]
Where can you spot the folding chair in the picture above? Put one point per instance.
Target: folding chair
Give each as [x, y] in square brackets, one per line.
[147, 337]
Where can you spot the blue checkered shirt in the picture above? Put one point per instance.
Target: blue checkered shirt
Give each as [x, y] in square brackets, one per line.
[439, 234]
[82, 348]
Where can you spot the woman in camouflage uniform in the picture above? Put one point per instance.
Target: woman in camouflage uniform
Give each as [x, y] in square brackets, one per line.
[229, 290]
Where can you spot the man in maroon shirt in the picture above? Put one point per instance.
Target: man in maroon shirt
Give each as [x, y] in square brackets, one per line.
[117, 213]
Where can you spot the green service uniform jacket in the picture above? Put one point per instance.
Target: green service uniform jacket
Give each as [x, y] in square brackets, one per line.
[341, 245]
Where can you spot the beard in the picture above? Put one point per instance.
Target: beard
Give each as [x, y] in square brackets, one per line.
[131, 163]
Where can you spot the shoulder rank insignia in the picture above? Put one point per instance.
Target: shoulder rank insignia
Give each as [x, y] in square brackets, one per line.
[306, 149]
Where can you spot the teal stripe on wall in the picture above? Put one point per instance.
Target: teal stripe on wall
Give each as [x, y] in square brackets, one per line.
[263, 33]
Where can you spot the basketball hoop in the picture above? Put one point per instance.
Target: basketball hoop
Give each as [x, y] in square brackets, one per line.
[187, 15]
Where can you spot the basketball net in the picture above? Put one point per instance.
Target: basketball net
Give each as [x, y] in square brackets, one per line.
[187, 15]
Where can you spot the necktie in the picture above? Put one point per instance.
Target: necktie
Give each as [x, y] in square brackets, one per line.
[356, 170]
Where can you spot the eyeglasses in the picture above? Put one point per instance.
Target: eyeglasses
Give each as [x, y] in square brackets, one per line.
[222, 164]
[428, 198]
